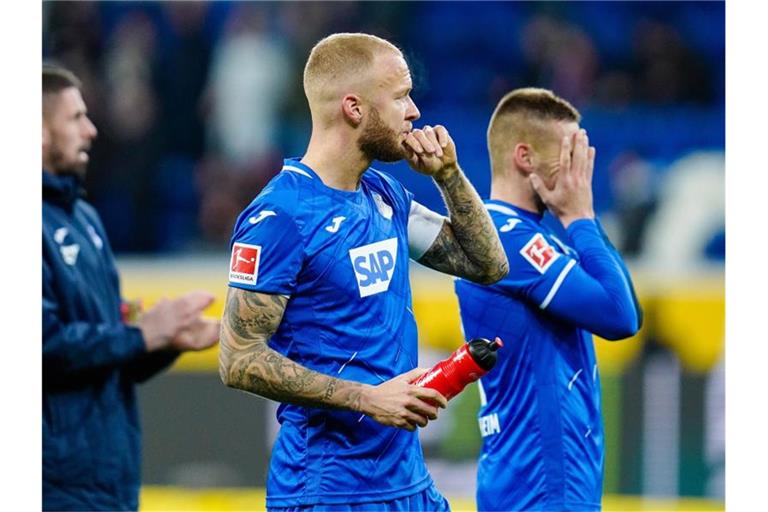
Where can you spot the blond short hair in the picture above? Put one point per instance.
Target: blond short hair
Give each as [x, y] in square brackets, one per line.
[340, 57]
[522, 115]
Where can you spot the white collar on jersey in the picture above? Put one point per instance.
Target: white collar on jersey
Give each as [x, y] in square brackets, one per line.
[298, 170]
[501, 209]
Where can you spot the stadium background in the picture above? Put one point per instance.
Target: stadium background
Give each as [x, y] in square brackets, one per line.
[196, 104]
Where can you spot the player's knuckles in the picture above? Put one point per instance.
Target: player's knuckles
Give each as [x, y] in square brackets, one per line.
[411, 402]
[410, 139]
[428, 148]
[422, 137]
[428, 394]
[424, 409]
[416, 147]
[414, 418]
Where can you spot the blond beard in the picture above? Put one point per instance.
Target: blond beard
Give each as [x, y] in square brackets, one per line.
[379, 142]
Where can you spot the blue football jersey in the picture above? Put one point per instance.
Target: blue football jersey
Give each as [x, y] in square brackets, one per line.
[342, 258]
[540, 414]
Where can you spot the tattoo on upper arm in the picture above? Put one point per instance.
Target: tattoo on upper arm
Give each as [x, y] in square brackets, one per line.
[247, 362]
[252, 314]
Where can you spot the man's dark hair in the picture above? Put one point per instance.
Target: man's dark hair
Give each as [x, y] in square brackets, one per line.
[57, 78]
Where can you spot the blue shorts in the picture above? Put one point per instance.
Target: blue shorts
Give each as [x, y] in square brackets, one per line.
[428, 500]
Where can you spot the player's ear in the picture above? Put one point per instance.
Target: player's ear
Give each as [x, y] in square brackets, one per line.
[352, 109]
[523, 157]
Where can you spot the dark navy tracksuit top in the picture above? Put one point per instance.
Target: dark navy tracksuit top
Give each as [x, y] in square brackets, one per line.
[91, 361]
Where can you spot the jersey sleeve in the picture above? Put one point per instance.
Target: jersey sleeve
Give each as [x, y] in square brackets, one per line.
[267, 250]
[598, 295]
[624, 270]
[537, 268]
[594, 293]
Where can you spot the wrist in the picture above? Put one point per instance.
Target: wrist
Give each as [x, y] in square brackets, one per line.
[153, 342]
[447, 173]
[567, 220]
[364, 404]
[135, 339]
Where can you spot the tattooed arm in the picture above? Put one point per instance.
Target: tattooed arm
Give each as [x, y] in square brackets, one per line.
[467, 244]
[246, 362]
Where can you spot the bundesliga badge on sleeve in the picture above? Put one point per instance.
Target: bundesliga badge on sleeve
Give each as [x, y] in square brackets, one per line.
[244, 264]
[539, 253]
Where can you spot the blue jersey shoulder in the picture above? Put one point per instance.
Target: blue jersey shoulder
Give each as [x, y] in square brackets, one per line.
[388, 187]
[536, 257]
[281, 195]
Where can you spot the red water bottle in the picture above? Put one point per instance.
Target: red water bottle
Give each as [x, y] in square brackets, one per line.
[467, 364]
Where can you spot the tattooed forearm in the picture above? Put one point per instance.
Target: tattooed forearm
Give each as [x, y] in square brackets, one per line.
[468, 245]
[246, 362]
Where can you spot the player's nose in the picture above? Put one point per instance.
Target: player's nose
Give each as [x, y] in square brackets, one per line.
[412, 113]
[90, 129]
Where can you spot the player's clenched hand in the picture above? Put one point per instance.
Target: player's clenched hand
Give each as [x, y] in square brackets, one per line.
[570, 198]
[397, 403]
[431, 151]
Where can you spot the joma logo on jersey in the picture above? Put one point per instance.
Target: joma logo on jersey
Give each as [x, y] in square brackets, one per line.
[374, 265]
[244, 265]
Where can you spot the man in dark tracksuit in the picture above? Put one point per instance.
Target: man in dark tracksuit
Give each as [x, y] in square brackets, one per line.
[91, 357]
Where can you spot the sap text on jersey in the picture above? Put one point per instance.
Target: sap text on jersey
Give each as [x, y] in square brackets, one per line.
[374, 265]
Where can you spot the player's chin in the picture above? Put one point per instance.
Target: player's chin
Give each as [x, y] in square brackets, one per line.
[76, 167]
[394, 154]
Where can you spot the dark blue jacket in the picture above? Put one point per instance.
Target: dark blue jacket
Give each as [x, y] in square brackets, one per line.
[91, 361]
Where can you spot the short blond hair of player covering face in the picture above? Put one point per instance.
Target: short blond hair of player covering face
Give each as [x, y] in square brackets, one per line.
[339, 58]
[525, 116]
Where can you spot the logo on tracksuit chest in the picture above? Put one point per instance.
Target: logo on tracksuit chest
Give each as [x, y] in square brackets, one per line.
[374, 265]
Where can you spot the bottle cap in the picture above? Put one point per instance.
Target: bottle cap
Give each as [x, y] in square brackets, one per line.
[483, 351]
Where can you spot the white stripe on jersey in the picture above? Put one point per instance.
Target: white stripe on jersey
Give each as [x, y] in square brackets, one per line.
[298, 170]
[573, 379]
[500, 209]
[483, 398]
[565, 248]
[558, 282]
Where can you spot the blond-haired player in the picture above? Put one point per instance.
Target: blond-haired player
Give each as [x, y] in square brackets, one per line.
[318, 315]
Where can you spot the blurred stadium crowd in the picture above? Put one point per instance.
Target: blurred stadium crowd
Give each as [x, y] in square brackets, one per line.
[197, 102]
